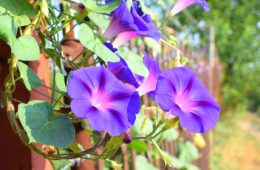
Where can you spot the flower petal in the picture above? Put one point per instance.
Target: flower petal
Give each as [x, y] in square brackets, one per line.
[109, 104]
[122, 72]
[110, 121]
[150, 82]
[128, 24]
[180, 92]
[182, 4]
[80, 107]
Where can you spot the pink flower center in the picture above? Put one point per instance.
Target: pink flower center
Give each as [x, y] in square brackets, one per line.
[184, 102]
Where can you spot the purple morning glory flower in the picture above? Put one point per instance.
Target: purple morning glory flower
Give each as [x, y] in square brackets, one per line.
[128, 24]
[143, 85]
[182, 4]
[180, 92]
[107, 104]
[120, 69]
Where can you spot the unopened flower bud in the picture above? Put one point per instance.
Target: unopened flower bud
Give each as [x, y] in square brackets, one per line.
[81, 7]
[127, 138]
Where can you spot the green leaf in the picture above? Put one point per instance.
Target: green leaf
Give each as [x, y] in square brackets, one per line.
[187, 152]
[191, 167]
[142, 163]
[143, 125]
[30, 79]
[22, 20]
[8, 29]
[42, 126]
[138, 145]
[60, 82]
[164, 155]
[61, 164]
[99, 20]
[170, 135]
[94, 6]
[112, 146]
[26, 48]
[44, 7]
[134, 61]
[18, 7]
[88, 38]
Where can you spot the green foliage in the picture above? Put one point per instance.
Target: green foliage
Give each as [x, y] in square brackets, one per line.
[138, 145]
[142, 163]
[143, 125]
[42, 126]
[99, 20]
[8, 29]
[187, 152]
[113, 164]
[170, 123]
[165, 156]
[93, 6]
[22, 20]
[60, 82]
[170, 135]
[30, 79]
[26, 48]
[61, 164]
[44, 7]
[134, 61]
[76, 147]
[18, 7]
[90, 40]
[112, 146]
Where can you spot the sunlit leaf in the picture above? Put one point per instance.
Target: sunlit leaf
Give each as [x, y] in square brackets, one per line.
[99, 20]
[142, 163]
[8, 29]
[89, 39]
[187, 152]
[170, 135]
[138, 145]
[60, 82]
[44, 7]
[134, 61]
[26, 48]
[97, 7]
[165, 156]
[22, 20]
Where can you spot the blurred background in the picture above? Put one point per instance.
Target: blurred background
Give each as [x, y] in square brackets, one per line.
[229, 33]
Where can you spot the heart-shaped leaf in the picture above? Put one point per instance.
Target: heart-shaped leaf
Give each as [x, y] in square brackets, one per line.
[26, 48]
[88, 38]
[42, 126]
[8, 29]
[30, 79]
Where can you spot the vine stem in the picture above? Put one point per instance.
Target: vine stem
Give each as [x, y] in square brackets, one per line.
[150, 134]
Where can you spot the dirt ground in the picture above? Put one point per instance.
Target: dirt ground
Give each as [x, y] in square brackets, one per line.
[236, 143]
